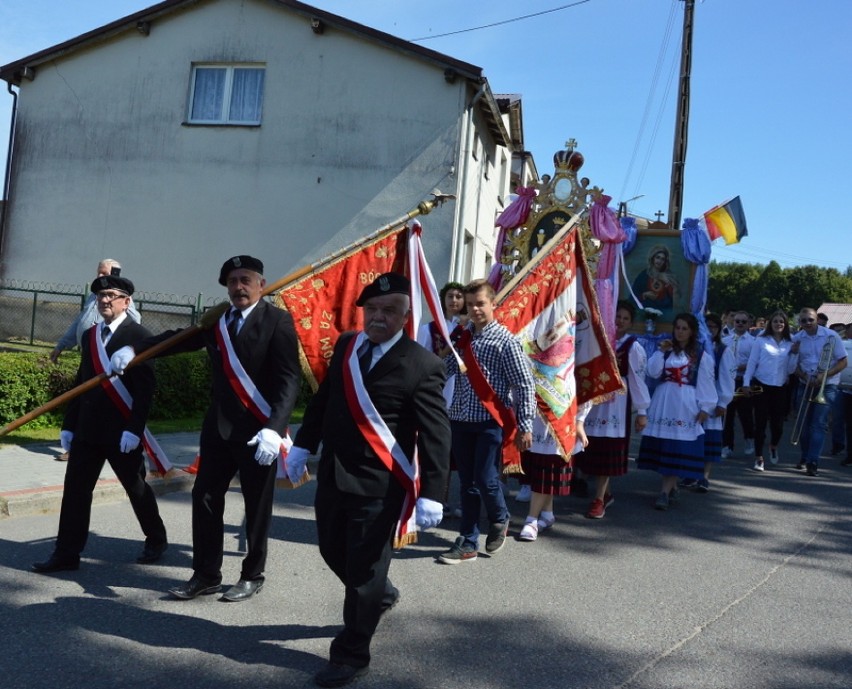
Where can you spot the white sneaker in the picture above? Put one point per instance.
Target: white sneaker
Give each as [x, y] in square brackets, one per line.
[529, 532]
[524, 493]
[758, 465]
[749, 448]
[773, 456]
[726, 452]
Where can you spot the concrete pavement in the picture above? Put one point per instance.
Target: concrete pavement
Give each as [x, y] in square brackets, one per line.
[747, 587]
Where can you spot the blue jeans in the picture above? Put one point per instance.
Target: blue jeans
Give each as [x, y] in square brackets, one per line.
[476, 448]
[816, 424]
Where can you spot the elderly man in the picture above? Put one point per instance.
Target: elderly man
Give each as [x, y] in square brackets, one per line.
[821, 357]
[107, 424]
[90, 313]
[88, 316]
[378, 412]
[740, 342]
[256, 378]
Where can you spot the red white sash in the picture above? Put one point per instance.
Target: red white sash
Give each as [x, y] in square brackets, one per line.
[247, 392]
[121, 397]
[503, 415]
[382, 441]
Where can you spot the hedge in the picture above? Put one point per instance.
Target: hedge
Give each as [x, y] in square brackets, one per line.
[28, 380]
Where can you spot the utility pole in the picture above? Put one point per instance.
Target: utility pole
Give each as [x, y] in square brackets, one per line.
[681, 119]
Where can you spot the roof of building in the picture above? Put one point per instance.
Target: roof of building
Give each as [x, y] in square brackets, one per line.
[26, 67]
[837, 313]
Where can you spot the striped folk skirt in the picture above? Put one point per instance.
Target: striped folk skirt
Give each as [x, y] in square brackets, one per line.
[546, 474]
[712, 445]
[604, 457]
[682, 458]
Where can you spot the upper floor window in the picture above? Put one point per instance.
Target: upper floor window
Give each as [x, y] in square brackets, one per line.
[226, 94]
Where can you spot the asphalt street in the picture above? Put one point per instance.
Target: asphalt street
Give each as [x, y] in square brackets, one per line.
[749, 586]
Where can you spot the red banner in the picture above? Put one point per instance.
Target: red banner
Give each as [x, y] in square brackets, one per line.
[553, 311]
[323, 303]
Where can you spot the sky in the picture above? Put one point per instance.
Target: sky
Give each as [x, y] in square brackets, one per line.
[770, 96]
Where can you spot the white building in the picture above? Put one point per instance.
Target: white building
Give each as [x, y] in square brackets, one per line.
[194, 130]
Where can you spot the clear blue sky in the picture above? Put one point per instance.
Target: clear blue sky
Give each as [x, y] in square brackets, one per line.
[771, 97]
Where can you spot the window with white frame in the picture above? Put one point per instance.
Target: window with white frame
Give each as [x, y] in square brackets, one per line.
[226, 94]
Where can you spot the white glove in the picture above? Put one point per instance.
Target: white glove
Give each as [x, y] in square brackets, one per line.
[296, 462]
[65, 438]
[428, 513]
[120, 359]
[268, 446]
[129, 442]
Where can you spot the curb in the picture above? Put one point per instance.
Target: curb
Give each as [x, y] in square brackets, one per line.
[45, 500]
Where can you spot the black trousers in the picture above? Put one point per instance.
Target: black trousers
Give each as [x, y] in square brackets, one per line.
[85, 463]
[221, 460]
[743, 408]
[355, 539]
[770, 405]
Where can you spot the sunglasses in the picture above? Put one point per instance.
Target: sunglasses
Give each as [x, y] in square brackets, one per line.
[807, 320]
[740, 322]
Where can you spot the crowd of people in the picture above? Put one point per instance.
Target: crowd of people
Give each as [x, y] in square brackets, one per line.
[393, 416]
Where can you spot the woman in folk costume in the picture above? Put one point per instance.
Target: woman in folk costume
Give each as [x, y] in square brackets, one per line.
[455, 314]
[725, 366]
[673, 441]
[608, 423]
[548, 473]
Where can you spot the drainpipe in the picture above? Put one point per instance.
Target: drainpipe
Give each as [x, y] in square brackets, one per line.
[464, 164]
[7, 181]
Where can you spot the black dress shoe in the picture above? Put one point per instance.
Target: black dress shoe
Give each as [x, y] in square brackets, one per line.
[57, 563]
[338, 674]
[151, 553]
[243, 590]
[390, 599]
[195, 587]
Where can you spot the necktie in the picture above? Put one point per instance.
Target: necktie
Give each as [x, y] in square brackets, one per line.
[234, 324]
[105, 333]
[366, 359]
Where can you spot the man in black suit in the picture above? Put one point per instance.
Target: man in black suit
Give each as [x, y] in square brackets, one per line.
[107, 423]
[256, 376]
[361, 485]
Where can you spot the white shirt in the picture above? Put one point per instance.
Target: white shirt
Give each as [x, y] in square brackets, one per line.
[740, 346]
[770, 362]
[810, 351]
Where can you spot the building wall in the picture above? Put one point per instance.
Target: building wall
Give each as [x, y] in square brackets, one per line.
[353, 135]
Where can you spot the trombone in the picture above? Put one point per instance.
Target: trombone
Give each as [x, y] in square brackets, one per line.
[808, 396]
[750, 391]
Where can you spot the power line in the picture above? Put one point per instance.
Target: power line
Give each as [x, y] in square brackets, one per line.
[505, 21]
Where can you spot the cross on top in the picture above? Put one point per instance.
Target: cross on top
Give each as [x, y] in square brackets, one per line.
[659, 215]
[571, 144]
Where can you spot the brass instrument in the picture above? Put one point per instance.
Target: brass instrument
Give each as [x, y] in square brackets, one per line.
[808, 396]
[750, 391]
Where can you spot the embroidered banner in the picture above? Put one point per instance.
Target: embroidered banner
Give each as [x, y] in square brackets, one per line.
[553, 311]
[323, 303]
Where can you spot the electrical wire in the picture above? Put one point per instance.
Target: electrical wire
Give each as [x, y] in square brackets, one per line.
[500, 23]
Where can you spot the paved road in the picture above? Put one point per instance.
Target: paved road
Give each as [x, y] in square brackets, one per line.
[749, 587]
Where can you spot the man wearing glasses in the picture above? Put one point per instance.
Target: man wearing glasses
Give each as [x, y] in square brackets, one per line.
[810, 343]
[106, 423]
[740, 341]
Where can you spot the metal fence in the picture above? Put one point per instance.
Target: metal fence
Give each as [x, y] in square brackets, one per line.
[37, 313]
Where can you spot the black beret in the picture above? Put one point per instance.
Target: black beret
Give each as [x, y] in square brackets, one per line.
[247, 262]
[388, 283]
[112, 282]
